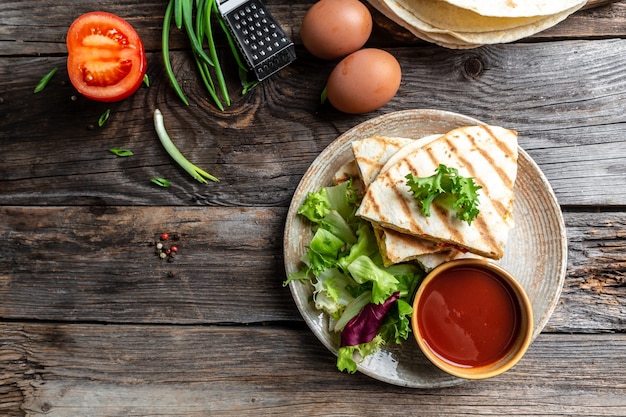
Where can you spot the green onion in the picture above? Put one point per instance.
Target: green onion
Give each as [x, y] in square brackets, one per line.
[104, 117]
[213, 52]
[178, 13]
[196, 44]
[121, 152]
[205, 75]
[197, 173]
[229, 37]
[146, 80]
[197, 18]
[165, 48]
[234, 50]
[161, 182]
[44, 81]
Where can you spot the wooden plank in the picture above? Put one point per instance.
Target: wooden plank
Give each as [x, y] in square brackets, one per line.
[57, 370]
[597, 20]
[98, 264]
[36, 28]
[571, 122]
[596, 3]
[596, 273]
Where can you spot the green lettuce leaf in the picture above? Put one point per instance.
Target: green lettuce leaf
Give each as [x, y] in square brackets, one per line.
[448, 189]
[349, 356]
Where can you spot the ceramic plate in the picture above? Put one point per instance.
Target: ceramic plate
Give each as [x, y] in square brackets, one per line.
[536, 252]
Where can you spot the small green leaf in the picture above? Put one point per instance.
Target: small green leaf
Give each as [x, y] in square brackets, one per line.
[104, 117]
[146, 80]
[161, 182]
[324, 95]
[248, 86]
[44, 81]
[121, 152]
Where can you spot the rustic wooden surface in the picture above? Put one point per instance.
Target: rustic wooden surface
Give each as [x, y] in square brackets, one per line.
[92, 323]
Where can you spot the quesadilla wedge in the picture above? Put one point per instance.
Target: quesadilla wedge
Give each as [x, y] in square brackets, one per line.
[488, 154]
[372, 156]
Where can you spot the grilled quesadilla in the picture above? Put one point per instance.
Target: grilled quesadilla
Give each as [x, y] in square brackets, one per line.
[372, 155]
[488, 154]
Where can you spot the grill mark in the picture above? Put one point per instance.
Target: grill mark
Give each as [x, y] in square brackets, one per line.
[482, 227]
[405, 206]
[368, 164]
[431, 155]
[501, 209]
[435, 211]
[369, 204]
[507, 152]
[487, 236]
[471, 168]
[443, 216]
[373, 163]
[450, 150]
[479, 223]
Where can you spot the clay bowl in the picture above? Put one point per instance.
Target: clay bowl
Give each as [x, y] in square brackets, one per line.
[472, 319]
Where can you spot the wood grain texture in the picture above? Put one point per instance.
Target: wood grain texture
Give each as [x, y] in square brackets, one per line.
[54, 370]
[569, 120]
[98, 264]
[38, 27]
[93, 323]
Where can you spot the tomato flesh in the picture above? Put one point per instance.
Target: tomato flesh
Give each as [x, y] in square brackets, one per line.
[106, 58]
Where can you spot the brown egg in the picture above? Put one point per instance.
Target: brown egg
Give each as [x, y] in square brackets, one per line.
[364, 81]
[332, 29]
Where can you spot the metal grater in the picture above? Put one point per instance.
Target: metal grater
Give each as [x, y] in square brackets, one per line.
[264, 44]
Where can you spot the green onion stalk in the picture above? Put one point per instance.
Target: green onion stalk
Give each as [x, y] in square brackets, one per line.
[196, 173]
[199, 19]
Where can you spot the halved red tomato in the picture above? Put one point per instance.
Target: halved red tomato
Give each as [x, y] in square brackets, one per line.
[107, 60]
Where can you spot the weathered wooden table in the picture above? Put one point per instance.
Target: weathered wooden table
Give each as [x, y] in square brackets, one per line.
[93, 323]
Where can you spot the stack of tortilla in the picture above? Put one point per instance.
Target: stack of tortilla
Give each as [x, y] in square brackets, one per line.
[464, 24]
[488, 154]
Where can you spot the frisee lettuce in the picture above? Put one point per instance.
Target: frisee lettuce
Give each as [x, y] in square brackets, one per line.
[448, 189]
[350, 283]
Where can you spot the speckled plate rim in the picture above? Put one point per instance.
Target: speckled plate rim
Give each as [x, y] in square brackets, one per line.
[539, 235]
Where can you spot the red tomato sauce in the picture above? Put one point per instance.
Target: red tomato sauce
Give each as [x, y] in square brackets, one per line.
[468, 317]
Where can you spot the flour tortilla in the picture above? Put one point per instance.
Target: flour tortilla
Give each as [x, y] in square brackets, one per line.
[445, 24]
[407, 13]
[395, 247]
[444, 40]
[486, 153]
[444, 15]
[514, 8]
[371, 156]
[374, 154]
